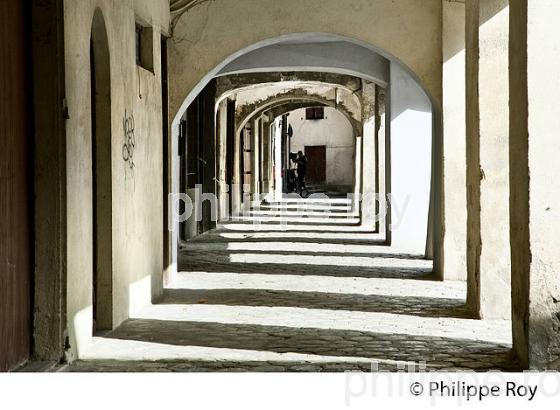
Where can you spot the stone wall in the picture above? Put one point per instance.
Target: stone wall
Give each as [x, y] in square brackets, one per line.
[137, 183]
[535, 191]
[204, 42]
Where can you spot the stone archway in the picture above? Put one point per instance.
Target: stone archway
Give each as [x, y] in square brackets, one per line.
[423, 78]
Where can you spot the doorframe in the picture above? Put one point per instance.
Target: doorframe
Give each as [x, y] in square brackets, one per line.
[50, 337]
[16, 251]
[102, 195]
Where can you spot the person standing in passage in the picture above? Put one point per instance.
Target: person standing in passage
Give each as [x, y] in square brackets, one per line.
[301, 170]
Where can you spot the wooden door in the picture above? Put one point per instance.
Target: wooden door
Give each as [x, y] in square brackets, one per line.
[316, 164]
[16, 161]
[247, 150]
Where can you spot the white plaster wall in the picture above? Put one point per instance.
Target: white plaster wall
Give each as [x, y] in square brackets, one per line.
[411, 161]
[138, 194]
[335, 132]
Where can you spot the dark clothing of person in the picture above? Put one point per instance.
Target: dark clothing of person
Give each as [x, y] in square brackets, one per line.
[301, 166]
[292, 180]
[301, 170]
[301, 182]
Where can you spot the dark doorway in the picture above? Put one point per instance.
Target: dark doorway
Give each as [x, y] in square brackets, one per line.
[101, 176]
[230, 150]
[190, 160]
[15, 192]
[316, 164]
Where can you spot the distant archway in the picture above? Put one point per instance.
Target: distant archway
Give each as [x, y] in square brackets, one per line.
[313, 100]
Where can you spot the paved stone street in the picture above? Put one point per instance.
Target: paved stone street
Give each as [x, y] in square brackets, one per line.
[307, 296]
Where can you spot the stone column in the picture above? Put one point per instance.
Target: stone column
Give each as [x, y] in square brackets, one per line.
[221, 141]
[488, 255]
[357, 189]
[255, 159]
[277, 141]
[236, 191]
[454, 143]
[369, 149]
[266, 174]
[381, 135]
[535, 183]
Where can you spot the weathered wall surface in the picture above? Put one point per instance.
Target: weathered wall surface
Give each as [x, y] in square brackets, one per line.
[228, 83]
[472, 152]
[205, 40]
[519, 182]
[544, 127]
[49, 303]
[335, 132]
[411, 162]
[137, 200]
[535, 201]
[319, 54]
[454, 141]
[253, 100]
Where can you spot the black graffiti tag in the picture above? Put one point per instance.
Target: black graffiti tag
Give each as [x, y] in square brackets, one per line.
[129, 140]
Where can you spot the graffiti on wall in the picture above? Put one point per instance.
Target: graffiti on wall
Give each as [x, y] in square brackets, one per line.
[129, 140]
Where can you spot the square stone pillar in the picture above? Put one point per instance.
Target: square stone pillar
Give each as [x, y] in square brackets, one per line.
[357, 169]
[255, 160]
[454, 143]
[535, 182]
[381, 135]
[369, 157]
[236, 190]
[221, 142]
[488, 255]
[277, 141]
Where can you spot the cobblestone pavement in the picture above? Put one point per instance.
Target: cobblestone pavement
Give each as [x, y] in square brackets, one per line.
[263, 298]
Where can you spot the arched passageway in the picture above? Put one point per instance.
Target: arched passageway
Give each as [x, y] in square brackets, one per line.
[411, 112]
[254, 277]
[274, 281]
